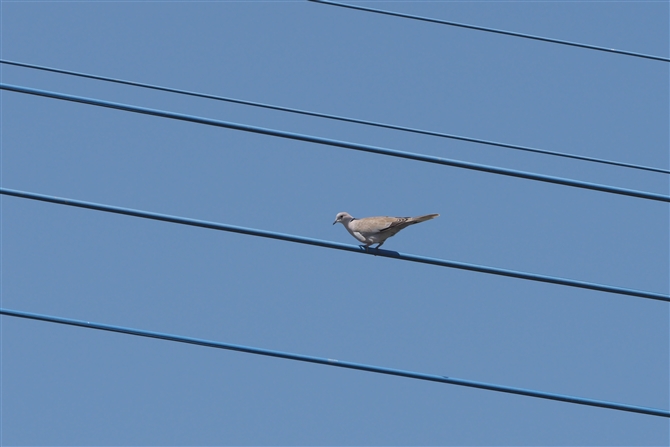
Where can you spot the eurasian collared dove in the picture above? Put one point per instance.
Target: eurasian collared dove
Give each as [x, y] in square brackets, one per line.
[375, 230]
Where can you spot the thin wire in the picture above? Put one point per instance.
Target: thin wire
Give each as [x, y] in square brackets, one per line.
[339, 118]
[334, 245]
[337, 363]
[493, 30]
[343, 144]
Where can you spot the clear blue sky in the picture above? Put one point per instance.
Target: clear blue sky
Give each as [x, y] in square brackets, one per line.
[72, 386]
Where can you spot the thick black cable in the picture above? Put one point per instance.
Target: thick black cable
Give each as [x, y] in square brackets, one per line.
[335, 245]
[339, 118]
[337, 363]
[343, 144]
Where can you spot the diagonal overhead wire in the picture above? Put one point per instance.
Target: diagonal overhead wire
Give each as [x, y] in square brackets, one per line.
[339, 118]
[492, 30]
[337, 363]
[334, 245]
[343, 144]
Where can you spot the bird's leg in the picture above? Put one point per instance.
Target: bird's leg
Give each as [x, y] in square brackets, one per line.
[379, 245]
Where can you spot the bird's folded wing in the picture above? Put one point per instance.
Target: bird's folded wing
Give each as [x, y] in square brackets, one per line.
[372, 224]
[398, 222]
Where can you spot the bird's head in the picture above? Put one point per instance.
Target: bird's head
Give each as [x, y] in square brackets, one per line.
[343, 218]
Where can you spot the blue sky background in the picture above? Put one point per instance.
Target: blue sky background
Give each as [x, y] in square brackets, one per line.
[71, 386]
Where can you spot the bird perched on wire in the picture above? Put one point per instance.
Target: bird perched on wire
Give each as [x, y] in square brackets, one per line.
[375, 230]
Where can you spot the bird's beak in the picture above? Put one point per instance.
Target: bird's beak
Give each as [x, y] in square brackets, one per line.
[334, 222]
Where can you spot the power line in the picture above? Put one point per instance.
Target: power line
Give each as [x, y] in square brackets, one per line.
[493, 30]
[343, 144]
[339, 118]
[334, 245]
[337, 363]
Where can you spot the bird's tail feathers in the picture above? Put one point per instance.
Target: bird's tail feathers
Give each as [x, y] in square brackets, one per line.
[424, 218]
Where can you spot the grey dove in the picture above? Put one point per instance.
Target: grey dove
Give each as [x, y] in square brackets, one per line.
[375, 230]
